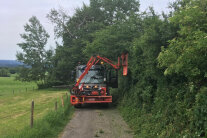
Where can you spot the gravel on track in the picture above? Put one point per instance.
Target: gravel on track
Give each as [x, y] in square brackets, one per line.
[93, 122]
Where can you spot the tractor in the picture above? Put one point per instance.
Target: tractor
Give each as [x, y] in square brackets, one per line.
[94, 79]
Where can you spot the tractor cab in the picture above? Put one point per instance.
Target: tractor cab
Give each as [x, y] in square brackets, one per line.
[96, 75]
[97, 79]
[93, 81]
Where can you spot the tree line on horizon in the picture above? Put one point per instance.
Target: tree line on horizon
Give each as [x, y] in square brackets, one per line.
[165, 93]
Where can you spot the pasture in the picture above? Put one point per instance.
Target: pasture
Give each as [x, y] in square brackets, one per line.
[15, 107]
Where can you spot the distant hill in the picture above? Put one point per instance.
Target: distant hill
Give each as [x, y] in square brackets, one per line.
[9, 63]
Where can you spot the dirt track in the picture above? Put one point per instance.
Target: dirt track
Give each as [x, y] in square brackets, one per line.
[92, 122]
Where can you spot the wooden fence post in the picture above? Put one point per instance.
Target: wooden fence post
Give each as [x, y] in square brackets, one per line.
[32, 114]
[26, 89]
[56, 106]
[62, 101]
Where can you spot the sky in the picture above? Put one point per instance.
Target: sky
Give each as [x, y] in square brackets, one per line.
[14, 14]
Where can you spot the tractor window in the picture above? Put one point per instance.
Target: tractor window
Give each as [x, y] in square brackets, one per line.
[93, 76]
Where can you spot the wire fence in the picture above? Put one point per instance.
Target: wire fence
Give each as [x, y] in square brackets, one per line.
[17, 90]
[57, 104]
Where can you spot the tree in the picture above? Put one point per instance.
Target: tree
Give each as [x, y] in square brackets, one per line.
[59, 19]
[79, 30]
[186, 54]
[34, 55]
[4, 72]
[185, 58]
[74, 31]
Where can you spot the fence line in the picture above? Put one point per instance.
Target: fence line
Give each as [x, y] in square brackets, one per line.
[33, 109]
[56, 107]
[20, 90]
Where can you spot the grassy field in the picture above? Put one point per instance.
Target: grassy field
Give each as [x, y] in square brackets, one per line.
[15, 108]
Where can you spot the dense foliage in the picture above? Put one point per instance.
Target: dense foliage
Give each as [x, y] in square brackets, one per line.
[7, 71]
[82, 28]
[4, 72]
[164, 94]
